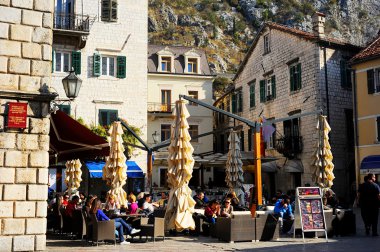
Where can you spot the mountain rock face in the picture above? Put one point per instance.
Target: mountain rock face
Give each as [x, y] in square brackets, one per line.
[226, 28]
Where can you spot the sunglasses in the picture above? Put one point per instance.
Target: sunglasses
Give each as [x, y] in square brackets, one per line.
[228, 202]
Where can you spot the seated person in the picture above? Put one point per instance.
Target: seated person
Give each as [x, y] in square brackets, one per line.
[120, 224]
[72, 206]
[133, 204]
[227, 208]
[283, 210]
[147, 206]
[331, 200]
[199, 200]
[163, 201]
[234, 199]
[65, 201]
[112, 204]
[212, 211]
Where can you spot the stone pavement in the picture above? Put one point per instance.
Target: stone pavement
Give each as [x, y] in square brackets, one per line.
[356, 243]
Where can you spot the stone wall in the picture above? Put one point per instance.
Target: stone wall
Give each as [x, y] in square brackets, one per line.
[25, 63]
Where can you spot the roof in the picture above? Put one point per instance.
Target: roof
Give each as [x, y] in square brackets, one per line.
[370, 52]
[328, 42]
[179, 59]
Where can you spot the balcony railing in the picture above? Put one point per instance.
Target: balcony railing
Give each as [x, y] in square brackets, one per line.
[289, 146]
[73, 22]
[160, 108]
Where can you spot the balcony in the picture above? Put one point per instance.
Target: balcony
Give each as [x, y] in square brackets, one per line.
[154, 107]
[289, 146]
[72, 28]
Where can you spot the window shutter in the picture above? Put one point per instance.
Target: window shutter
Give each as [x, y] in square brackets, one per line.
[106, 9]
[291, 73]
[233, 100]
[113, 10]
[262, 91]
[299, 76]
[52, 60]
[121, 66]
[370, 81]
[274, 86]
[252, 95]
[76, 61]
[343, 76]
[96, 64]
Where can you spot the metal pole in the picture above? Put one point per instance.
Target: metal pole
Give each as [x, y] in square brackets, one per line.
[149, 170]
[257, 163]
[322, 133]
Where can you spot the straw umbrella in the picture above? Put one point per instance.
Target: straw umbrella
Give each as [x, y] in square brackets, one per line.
[115, 169]
[180, 161]
[73, 175]
[234, 165]
[322, 159]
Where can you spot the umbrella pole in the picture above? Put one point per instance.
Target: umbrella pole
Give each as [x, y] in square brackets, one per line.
[150, 164]
[322, 139]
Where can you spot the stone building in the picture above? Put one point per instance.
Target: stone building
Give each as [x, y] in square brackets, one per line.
[105, 43]
[25, 67]
[289, 71]
[175, 70]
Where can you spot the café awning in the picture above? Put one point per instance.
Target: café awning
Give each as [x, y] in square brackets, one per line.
[71, 140]
[96, 169]
[370, 164]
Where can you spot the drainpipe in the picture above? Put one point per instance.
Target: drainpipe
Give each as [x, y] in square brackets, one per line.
[326, 86]
[356, 134]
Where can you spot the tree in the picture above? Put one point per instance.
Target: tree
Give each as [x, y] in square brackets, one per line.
[220, 83]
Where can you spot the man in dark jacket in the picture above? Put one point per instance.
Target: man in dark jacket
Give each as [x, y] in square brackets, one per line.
[199, 203]
[369, 198]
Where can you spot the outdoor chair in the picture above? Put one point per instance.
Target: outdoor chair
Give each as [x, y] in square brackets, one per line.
[239, 227]
[154, 230]
[102, 230]
[267, 228]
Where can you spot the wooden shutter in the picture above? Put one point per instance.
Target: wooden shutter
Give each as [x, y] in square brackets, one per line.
[273, 86]
[121, 66]
[113, 10]
[233, 101]
[240, 101]
[252, 95]
[291, 73]
[262, 91]
[106, 10]
[370, 81]
[299, 76]
[76, 61]
[96, 65]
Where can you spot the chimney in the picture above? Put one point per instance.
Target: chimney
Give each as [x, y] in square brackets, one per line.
[318, 20]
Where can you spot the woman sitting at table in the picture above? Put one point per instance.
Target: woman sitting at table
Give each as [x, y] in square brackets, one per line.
[227, 208]
[212, 211]
[120, 224]
[133, 204]
[112, 203]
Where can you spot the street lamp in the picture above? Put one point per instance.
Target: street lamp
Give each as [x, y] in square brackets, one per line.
[156, 136]
[72, 85]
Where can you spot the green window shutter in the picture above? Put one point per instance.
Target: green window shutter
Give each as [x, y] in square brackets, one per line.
[291, 73]
[252, 95]
[121, 66]
[233, 101]
[274, 86]
[75, 61]
[113, 10]
[106, 10]
[262, 91]
[240, 100]
[52, 60]
[96, 65]
[370, 81]
[299, 77]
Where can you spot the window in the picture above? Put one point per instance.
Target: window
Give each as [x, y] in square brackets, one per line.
[295, 77]
[109, 10]
[373, 80]
[194, 95]
[268, 89]
[108, 65]
[239, 101]
[378, 128]
[62, 61]
[65, 109]
[192, 65]
[266, 44]
[193, 131]
[165, 132]
[252, 94]
[292, 138]
[166, 64]
[250, 139]
[106, 117]
[345, 75]
[166, 100]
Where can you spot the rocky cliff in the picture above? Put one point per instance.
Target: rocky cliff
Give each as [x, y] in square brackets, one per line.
[225, 28]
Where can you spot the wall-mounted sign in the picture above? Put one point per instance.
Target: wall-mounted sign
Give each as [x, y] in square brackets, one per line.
[17, 114]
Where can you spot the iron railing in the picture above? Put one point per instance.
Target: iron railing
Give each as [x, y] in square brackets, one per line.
[289, 146]
[73, 22]
[160, 107]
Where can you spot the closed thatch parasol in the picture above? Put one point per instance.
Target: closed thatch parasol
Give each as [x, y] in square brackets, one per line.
[115, 169]
[234, 165]
[180, 205]
[73, 175]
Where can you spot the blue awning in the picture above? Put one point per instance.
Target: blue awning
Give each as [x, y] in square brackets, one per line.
[96, 169]
[370, 164]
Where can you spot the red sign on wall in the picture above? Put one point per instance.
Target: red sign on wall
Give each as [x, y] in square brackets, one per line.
[17, 113]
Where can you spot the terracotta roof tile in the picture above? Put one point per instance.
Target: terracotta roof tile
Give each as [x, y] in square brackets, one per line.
[371, 51]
